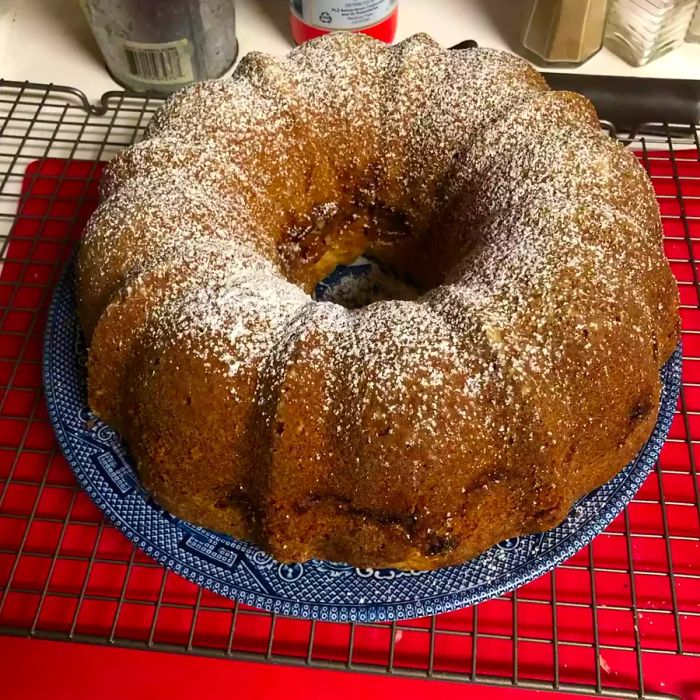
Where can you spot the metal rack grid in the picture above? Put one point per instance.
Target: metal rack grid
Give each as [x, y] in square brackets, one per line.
[621, 618]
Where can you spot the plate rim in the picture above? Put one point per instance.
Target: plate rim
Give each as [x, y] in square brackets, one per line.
[637, 470]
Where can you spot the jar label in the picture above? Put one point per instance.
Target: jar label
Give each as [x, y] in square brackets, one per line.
[332, 14]
[167, 62]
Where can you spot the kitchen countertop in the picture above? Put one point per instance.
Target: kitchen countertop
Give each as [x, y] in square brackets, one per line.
[49, 40]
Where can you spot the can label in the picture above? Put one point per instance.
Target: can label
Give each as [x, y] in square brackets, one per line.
[168, 62]
[352, 15]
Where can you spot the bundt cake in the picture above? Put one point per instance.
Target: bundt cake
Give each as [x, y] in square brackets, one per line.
[413, 433]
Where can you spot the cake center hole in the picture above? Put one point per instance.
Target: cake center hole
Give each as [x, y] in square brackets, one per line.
[362, 283]
[353, 253]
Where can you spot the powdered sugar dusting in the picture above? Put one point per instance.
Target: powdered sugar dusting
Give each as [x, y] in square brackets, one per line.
[414, 409]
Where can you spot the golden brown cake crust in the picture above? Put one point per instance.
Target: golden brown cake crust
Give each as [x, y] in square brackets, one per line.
[411, 433]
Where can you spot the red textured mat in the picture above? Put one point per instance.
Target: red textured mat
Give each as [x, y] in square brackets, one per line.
[623, 612]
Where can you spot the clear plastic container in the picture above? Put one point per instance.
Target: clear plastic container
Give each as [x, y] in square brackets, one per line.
[641, 30]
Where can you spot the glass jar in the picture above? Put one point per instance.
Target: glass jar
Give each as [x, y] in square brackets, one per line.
[641, 30]
[564, 32]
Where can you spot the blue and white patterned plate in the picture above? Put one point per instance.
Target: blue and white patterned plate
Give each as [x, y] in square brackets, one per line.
[316, 589]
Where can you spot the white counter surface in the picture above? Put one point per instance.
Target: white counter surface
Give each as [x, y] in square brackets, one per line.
[49, 41]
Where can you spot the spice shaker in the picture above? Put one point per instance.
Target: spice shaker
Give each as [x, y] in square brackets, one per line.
[564, 32]
[161, 45]
[694, 29]
[312, 18]
[640, 30]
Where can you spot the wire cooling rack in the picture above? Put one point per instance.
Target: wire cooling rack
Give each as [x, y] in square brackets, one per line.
[619, 619]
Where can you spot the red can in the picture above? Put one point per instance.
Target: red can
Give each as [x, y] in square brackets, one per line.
[312, 18]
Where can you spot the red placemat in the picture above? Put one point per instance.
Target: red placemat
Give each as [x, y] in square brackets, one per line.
[616, 614]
